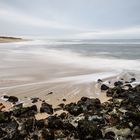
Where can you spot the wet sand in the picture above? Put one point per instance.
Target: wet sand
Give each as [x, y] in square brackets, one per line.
[25, 76]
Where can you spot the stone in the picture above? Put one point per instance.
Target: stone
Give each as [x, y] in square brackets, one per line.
[104, 87]
[12, 99]
[25, 111]
[88, 130]
[35, 99]
[64, 100]
[118, 83]
[109, 135]
[45, 107]
[99, 81]
[132, 80]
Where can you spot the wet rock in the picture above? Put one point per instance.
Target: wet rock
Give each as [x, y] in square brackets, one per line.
[47, 134]
[35, 99]
[50, 93]
[5, 96]
[5, 117]
[64, 100]
[73, 109]
[137, 88]
[61, 105]
[62, 115]
[99, 81]
[109, 135]
[45, 107]
[132, 80]
[25, 111]
[57, 109]
[104, 87]
[9, 129]
[55, 123]
[136, 133]
[88, 130]
[12, 99]
[115, 92]
[118, 83]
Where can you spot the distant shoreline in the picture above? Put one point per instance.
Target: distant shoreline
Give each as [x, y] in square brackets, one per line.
[7, 39]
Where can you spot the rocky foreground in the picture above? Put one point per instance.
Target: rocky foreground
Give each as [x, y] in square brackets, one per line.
[88, 119]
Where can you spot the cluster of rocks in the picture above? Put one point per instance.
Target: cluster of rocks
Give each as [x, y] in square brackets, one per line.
[88, 119]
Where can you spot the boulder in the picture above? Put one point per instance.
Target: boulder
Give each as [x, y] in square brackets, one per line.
[12, 99]
[104, 87]
[45, 107]
[87, 130]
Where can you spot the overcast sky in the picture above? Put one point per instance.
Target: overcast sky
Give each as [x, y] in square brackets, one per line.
[70, 18]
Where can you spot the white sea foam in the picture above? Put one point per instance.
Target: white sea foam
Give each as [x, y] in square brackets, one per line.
[72, 59]
[78, 60]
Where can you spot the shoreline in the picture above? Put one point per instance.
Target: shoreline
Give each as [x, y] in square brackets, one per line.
[116, 118]
[7, 39]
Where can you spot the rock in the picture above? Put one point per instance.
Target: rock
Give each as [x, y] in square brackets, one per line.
[5, 96]
[9, 129]
[115, 92]
[118, 83]
[57, 109]
[88, 130]
[45, 107]
[137, 88]
[132, 80]
[62, 115]
[61, 105]
[5, 117]
[99, 81]
[47, 134]
[104, 87]
[64, 100]
[109, 135]
[35, 99]
[13, 99]
[50, 93]
[73, 109]
[25, 111]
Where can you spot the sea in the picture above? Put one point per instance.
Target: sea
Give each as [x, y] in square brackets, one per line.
[118, 56]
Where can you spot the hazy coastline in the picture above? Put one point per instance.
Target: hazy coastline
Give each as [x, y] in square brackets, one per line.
[35, 68]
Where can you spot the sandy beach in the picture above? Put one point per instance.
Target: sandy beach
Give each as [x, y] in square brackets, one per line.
[29, 71]
[26, 76]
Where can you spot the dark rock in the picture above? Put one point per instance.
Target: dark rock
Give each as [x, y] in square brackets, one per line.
[5, 117]
[5, 96]
[61, 105]
[64, 100]
[88, 130]
[62, 115]
[25, 111]
[137, 88]
[55, 123]
[40, 124]
[115, 92]
[118, 83]
[73, 109]
[132, 80]
[9, 129]
[109, 135]
[104, 87]
[13, 99]
[99, 81]
[50, 93]
[34, 100]
[45, 107]
[57, 109]
[47, 134]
